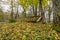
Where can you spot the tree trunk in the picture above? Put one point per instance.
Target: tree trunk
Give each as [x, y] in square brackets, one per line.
[17, 15]
[35, 11]
[55, 12]
[49, 14]
[24, 13]
[12, 9]
[42, 12]
[35, 14]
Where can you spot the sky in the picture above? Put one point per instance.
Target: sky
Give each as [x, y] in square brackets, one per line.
[7, 7]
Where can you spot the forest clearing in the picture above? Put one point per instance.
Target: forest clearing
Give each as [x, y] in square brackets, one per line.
[25, 30]
[29, 20]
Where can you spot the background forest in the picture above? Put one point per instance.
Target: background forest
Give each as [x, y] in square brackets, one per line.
[29, 19]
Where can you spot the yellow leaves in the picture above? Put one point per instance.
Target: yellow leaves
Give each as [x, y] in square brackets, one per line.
[26, 30]
[45, 2]
[35, 2]
[53, 31]
[24, 37]
[17, 30]
[13, 35]
[24, 3]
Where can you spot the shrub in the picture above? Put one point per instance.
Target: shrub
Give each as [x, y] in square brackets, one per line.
[1, 17]
[12, 20]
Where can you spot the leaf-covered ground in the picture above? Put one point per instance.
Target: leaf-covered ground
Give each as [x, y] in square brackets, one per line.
[25, 30]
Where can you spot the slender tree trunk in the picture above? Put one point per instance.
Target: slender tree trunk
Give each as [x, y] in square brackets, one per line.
[49, 14]
[55, 12]
[24, 13]
[17, 15]
[12, 9]
[35, 14]
[33, 10]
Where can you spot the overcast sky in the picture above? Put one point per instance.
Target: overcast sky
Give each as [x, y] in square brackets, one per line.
[7, 7]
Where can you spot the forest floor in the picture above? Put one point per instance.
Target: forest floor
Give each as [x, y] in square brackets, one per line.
[26, 30]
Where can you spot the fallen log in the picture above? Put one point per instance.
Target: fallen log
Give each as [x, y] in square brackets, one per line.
[39, 19]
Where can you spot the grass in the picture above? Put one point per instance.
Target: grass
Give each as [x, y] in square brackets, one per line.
[24, 30]
[57, 28]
